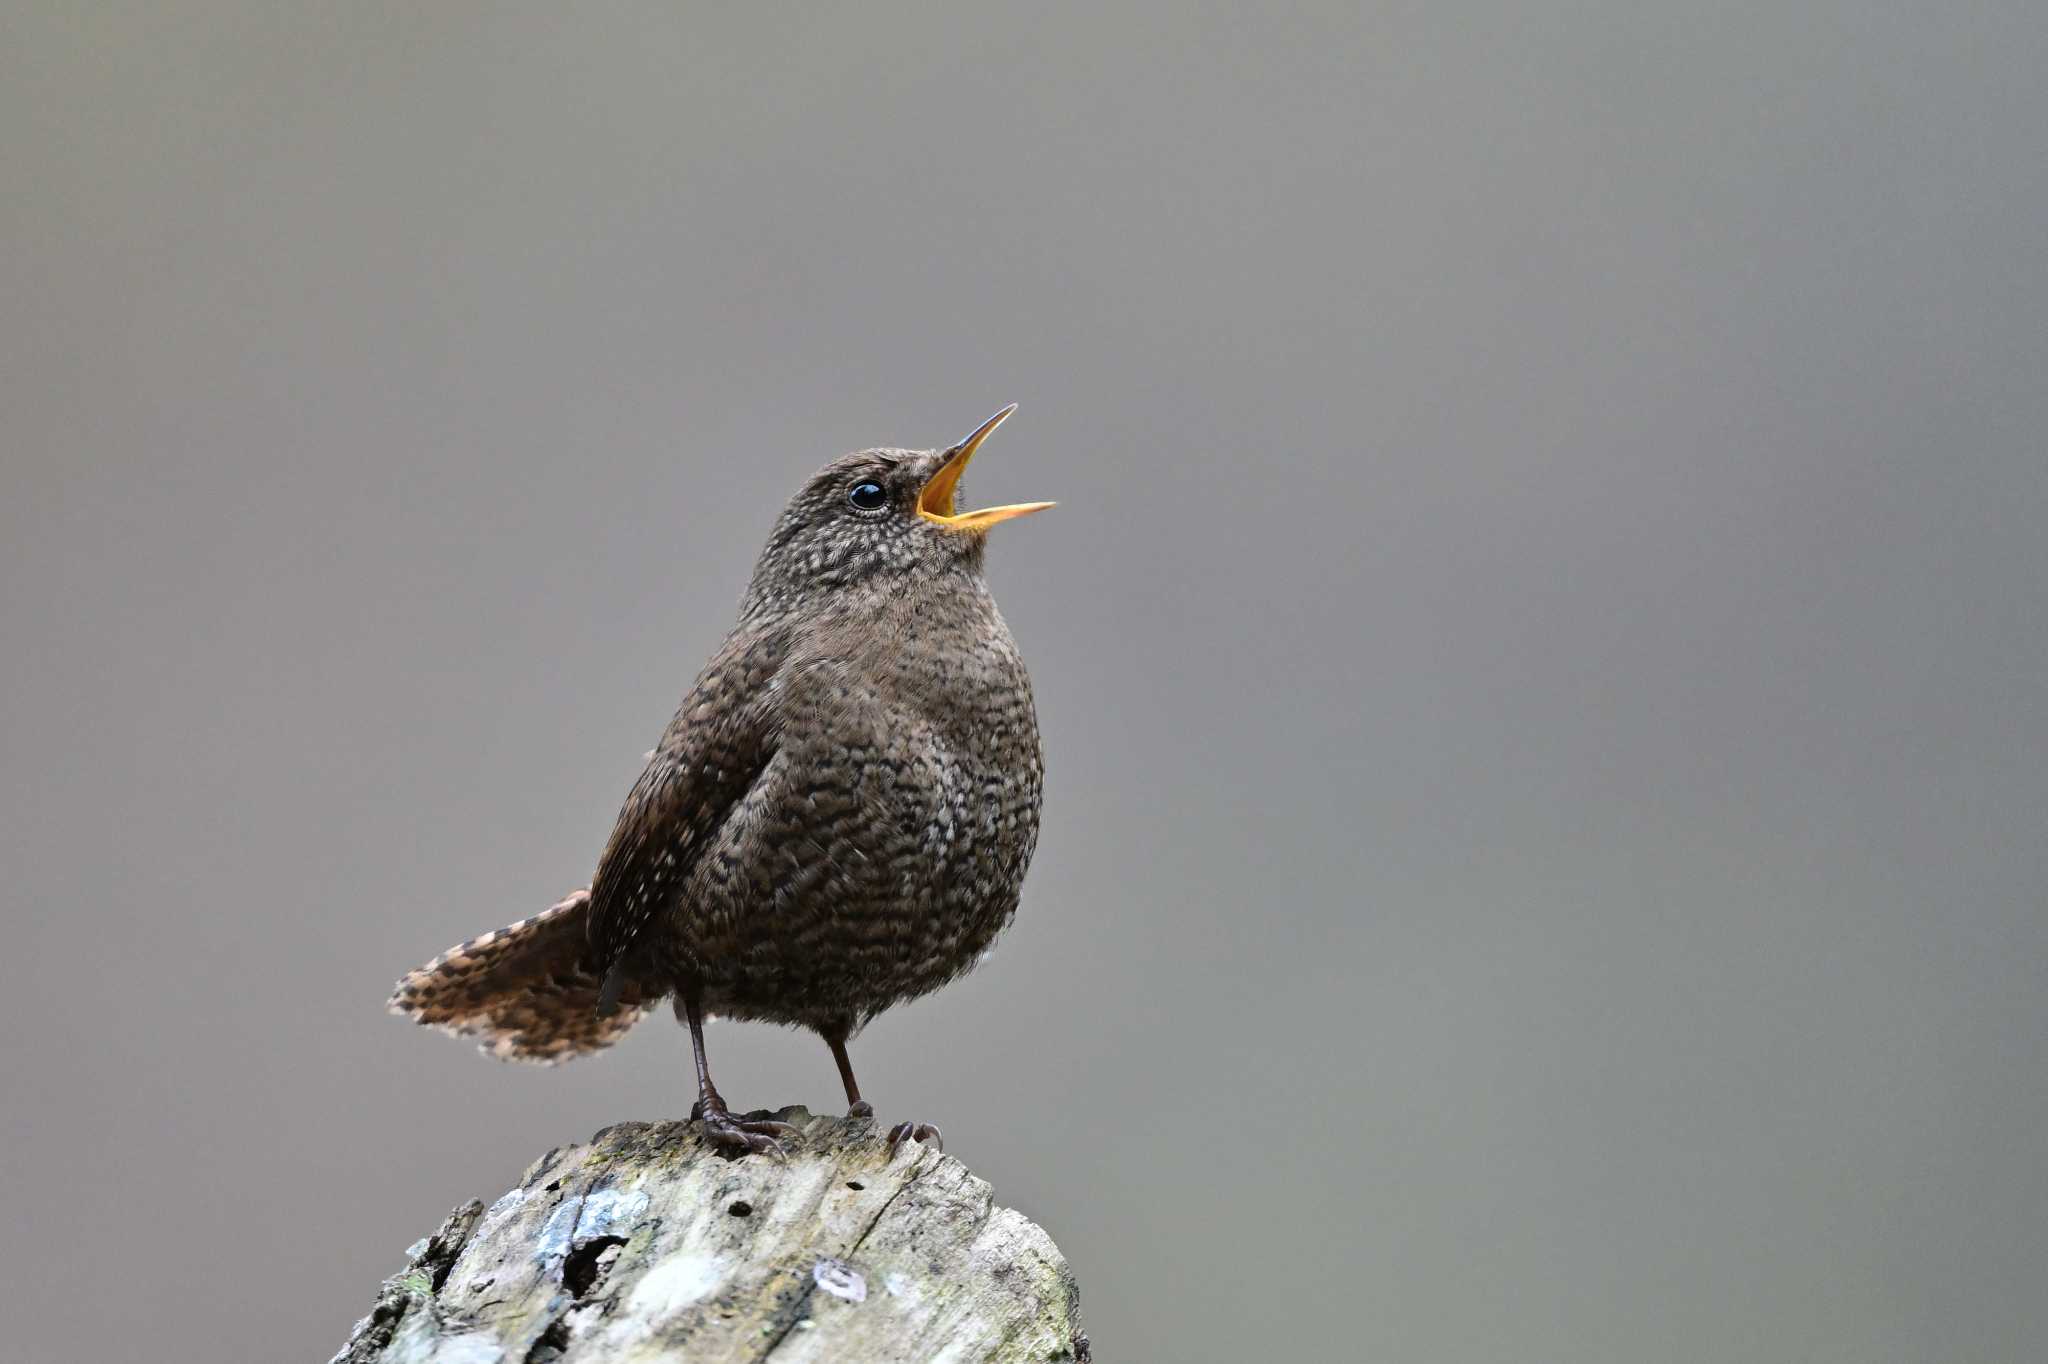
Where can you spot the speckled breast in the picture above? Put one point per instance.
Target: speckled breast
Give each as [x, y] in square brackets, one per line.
[887, 845]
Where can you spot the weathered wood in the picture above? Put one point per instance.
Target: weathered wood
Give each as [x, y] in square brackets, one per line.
[647, 1245]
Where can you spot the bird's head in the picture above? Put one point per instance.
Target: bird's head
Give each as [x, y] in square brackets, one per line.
[878, 515]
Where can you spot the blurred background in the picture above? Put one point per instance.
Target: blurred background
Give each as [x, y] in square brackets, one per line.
[1541, 651]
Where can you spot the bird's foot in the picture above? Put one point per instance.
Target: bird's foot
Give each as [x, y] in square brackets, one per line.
[747, 1136]
[914, 1131]
[860, 1108]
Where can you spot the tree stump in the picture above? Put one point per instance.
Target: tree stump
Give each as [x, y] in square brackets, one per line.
[647, 1244]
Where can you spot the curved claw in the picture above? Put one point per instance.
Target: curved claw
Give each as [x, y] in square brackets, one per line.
[860, 1109]
[734, 1136]
[749, 1136]
[773, 1126]
[914, 1131]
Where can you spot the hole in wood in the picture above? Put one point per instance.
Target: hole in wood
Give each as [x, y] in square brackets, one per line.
[587, 1263]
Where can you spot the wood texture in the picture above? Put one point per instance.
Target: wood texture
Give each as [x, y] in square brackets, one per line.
[646, 1244]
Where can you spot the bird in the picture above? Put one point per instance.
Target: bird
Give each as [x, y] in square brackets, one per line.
[838, 819]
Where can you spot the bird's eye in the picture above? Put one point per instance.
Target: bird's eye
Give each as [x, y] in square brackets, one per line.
[867, 497]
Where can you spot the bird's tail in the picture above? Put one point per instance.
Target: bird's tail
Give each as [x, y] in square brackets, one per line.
[526, 992]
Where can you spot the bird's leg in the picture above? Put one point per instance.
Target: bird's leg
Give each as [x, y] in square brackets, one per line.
[721, 1128]
[856, 1106]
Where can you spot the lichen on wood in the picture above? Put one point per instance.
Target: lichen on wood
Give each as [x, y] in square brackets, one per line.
[646, 1244]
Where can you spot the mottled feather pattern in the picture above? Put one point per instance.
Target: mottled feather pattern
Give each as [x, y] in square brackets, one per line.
[880, 851]
[526, 992]
[838, 818]
[721, 737]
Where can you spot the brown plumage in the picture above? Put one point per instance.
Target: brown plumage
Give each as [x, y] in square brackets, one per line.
[529, 989]
[838, 819]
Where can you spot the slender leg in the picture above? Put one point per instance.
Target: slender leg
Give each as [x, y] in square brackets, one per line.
[856, 1106]
[720, 1127]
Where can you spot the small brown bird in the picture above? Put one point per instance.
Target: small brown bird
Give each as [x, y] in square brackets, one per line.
[838, 819]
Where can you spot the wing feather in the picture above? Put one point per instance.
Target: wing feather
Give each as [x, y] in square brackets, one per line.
[721, 739]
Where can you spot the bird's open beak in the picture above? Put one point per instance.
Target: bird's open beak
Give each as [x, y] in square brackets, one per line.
[935, 499]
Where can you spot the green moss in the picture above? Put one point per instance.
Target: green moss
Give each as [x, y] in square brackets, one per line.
[417, 1282]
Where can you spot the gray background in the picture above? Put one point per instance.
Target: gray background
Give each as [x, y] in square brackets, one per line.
[1541, 651]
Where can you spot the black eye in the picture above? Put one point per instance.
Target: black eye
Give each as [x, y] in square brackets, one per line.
[867, 496]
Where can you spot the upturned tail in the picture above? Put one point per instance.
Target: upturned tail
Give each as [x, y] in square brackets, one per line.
[526, 992]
